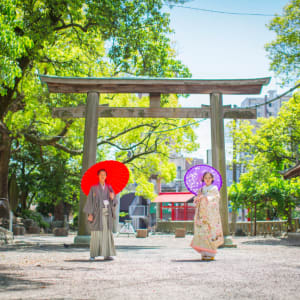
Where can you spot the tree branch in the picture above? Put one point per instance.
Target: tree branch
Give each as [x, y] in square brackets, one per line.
[83, 28]
[150, 151]
[45, 142]
[128, 148]
[17, 148]
[66, 149]
[291, 158]
[126, 131]
[138, 155]
[3, 128]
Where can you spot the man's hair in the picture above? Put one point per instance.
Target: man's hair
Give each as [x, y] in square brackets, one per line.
[101, 170]
[210, 175]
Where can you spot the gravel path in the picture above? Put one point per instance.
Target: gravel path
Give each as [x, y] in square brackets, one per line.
[158, 267]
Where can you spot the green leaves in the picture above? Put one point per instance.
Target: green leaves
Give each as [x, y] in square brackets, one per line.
[271, 149]
[88, 39]
[284, 51]
[13, 44]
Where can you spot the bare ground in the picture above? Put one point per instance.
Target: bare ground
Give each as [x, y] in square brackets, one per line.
[158, 267]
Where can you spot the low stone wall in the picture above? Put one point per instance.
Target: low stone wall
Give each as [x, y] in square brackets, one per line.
[245, 228]
[264, 227]
[294, 238]
[6, 236]
[170, 226]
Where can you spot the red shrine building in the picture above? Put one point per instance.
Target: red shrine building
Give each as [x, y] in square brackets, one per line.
[176, 206]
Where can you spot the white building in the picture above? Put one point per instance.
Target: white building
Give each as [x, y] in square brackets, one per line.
[182, 165]
[265, 111]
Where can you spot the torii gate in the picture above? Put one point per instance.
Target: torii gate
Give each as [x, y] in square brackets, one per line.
[155, 87]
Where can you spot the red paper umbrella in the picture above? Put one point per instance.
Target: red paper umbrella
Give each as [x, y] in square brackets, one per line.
[117, 175]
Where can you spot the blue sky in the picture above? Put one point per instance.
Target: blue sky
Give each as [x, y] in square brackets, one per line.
[221, 46]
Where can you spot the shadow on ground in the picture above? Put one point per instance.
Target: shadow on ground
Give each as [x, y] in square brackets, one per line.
[88, 261]
[11, 282]
[47, 248]
[132, 247]
[69, 247]
[270, 242]
[190, 261]
[75, 268]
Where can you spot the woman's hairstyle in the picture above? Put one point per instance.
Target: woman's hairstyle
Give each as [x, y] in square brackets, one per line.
[101, 170]
[213, 179]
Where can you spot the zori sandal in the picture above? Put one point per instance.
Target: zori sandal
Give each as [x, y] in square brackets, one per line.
[208, 258]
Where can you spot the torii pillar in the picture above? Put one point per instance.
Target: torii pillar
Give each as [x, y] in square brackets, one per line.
[89, 153]
[219, 157]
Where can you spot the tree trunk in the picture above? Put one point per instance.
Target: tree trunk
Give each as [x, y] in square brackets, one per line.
[234, 179]
[5, 140]
[59, 211]
[288, 214]
[290, 226]
[255, 218]
[5, 148]
[23, 200]
[233, 221]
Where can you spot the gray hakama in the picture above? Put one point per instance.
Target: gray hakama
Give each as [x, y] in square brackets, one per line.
[102, 242]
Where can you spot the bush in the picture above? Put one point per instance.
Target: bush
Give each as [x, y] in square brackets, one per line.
[36, 216]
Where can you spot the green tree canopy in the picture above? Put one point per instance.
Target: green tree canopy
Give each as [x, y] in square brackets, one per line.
[284, 51]
[82, 38]
[266, 151]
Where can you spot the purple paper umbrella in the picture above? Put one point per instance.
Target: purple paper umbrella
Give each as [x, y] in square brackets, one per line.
[194, 175]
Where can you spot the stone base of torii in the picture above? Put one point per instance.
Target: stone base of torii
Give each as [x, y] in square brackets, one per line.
[155, 87]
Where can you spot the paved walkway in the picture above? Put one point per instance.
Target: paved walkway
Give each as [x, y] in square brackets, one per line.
[158, 267]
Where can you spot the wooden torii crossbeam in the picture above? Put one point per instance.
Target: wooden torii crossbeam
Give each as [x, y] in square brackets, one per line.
[153, 112]
[155, 87]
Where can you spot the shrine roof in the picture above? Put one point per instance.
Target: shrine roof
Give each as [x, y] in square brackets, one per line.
[58, 84]
[173, 197]
[292, 172]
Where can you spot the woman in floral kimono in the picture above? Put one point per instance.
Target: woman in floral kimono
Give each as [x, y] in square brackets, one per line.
[208, 234]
